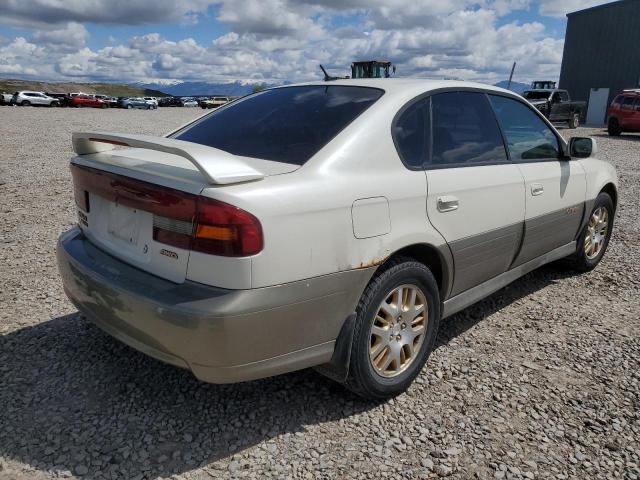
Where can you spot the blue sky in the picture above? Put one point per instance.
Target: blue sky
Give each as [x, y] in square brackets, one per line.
[274, 41]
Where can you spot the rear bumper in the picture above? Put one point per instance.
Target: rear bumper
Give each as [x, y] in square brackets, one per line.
[221, 335]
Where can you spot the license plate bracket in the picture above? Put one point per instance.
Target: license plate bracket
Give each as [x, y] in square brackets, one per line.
[124, 223]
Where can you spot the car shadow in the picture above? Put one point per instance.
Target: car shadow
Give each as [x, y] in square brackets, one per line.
[74, 399]
[628, 136]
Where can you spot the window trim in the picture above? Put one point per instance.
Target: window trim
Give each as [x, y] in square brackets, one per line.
[563, 156]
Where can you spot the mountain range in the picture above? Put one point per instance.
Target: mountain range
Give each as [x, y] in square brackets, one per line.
[233, 89]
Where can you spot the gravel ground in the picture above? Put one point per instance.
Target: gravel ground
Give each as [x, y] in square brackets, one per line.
[541, 380]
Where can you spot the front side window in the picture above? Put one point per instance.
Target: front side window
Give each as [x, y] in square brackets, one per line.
[464, 130]
[289, 124]
[410, 133]
[528, 137]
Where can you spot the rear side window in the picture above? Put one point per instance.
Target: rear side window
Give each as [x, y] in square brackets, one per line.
[410, 133]
[528, 137]
[465, 130]
[287, 124]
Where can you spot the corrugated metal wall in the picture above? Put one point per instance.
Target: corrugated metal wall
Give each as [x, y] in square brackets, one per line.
[602, 49]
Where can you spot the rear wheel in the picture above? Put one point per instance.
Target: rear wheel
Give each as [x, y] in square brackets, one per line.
[25, 103]
[396, 325]
[574, 121]
[594, 238]
[613, 127]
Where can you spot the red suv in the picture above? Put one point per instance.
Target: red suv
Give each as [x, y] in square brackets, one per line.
[87, 101]
[624, 113]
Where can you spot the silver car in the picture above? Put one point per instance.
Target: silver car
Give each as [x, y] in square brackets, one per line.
[26, 98]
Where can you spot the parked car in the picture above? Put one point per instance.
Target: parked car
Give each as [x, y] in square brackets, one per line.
[153, 101]
[26, 98]
[110, 101]
[556, 105]
[5, 98]
[169, 102]
[624, 113]
[297, 229]
[133, 102]
[188, 102]
[214, 102]
[64, 99]
[79, 101]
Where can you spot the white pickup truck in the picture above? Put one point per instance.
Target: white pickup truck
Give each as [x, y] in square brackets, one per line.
[330, 225]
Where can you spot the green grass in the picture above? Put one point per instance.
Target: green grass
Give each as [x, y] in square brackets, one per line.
[112, 89]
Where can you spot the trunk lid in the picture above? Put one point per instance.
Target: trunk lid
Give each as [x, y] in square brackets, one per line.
[129, 199]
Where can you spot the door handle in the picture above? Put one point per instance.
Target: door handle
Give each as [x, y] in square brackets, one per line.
[537, 189]
[447, 203]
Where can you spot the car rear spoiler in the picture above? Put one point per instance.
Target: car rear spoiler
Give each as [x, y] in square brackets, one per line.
[217, 166]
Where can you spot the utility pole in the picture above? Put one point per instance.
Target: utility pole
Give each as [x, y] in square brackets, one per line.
[511, 76]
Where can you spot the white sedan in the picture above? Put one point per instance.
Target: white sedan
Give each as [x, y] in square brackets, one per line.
[329, 225]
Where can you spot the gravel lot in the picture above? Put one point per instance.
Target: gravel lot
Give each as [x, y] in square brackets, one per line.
[541, 380]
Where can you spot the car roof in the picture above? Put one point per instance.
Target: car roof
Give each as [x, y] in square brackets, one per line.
[404, 86]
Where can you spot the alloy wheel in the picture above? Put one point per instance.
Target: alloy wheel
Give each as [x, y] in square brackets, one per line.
[398, 330]
[597, 230]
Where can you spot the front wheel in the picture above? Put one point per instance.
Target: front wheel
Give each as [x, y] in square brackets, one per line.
[574, 121]
[594, 238]
[613, 127]
[396, 325]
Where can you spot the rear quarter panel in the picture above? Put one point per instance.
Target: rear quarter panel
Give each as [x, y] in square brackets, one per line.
[307, 215]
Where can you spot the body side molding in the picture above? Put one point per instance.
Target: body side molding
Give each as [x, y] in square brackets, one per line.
[475, 294]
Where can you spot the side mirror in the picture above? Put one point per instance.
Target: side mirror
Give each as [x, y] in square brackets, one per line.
[582, 147]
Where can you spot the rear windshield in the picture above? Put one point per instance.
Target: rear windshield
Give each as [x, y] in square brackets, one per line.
[286, 125]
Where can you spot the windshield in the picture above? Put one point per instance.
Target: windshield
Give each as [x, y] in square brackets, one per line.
[536, 95]
[287, 124]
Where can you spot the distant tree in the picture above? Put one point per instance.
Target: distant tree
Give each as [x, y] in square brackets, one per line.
[259, 87]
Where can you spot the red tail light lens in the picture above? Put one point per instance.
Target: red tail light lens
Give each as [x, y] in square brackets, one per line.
[223, 229]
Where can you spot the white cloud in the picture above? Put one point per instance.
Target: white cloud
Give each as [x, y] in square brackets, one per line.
[555, 8]
[71, 36]
[130, 12]
[281, 40]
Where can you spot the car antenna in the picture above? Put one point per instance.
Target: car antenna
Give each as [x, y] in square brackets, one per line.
[327, 77]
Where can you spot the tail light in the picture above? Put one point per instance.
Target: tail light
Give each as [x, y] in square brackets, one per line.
[180, 219]
[223, 229]
[217, 228]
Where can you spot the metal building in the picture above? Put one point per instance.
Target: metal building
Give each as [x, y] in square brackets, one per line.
[601, 55]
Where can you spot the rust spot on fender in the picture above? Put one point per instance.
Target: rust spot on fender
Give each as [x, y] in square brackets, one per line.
[372, 263]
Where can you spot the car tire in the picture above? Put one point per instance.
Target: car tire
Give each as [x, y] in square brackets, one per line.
[104, 105]
[54, 104]
[595, 235]
[371, 376]
[613, 127]
[25, 103]
[574, 121]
